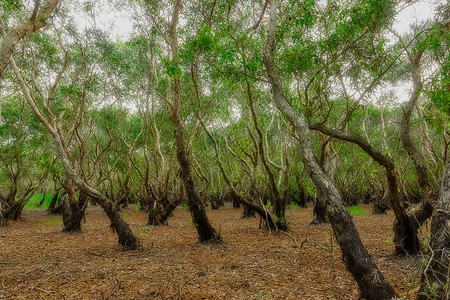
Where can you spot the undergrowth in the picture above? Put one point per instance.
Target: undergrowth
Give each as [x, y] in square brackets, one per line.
[355, 210]
[33, 202]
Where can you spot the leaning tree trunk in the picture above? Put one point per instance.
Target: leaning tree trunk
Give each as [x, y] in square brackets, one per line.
[319, 210]
[248, 212]
[405, 229]
[160, 214]
[17, 33]
[206, 232]
[53, 203]
[279, 205]
[425, 209]
[126, 237]
[359, 262]
[42, 200]
[73, 210]
[235, 195]
[435, 282]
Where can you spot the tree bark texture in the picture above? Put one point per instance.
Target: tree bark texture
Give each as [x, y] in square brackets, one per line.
[17, 33]
[405, 230]
[205, 230]
[126, 237]
[359, 262]
[435, 282]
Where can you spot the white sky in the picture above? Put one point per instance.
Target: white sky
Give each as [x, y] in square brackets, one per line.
[416, 13]
[119, 22]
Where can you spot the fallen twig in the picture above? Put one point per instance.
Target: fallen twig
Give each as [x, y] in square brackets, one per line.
[113, 290]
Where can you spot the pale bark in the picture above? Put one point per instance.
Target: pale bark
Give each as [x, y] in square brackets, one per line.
[416, 155]
[405, 228]
[126, 237]
[435, 283]
[279, 206]
[359, 262]
[205, 230]
[260, 209]
[17, 33]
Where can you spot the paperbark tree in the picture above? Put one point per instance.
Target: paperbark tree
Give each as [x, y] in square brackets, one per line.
[126, 237]
[15, 34]
[405, 228]
[435, 282]
[359, 262]
[205, 230]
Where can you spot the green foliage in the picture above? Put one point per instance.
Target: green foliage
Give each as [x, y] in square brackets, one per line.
[355, 210]
[185, 206]
[145, 229]
[138, 206]
[293, 205]
[108, 84]
[11, 6]
[37, 197]
[172, 68]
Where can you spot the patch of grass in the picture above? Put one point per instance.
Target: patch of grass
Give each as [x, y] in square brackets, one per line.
[33, 202]
[293, 205]
[355, 210]
[53, 221]
[145, 228]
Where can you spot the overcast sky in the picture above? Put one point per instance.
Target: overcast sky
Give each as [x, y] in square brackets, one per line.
[119, 22]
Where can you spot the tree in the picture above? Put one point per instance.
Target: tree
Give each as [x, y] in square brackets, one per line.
[15, 34]
[372, 283]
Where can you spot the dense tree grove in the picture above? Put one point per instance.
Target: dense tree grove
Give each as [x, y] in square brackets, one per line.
[261, 103]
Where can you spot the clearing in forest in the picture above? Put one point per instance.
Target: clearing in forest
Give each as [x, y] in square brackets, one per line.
[39, 262]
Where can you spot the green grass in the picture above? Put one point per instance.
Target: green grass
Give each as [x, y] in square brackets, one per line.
[355, 210]
[33, 202]
[293, 205]
[53, 221]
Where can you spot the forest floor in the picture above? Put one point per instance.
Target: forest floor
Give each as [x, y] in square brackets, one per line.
[37, 261]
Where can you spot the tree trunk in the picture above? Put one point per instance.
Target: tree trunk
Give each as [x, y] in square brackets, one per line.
[405, 237]
[42, 200]
[319, 210]
[17, 33]
[301, 196]
[206, 232]
[278, 202]
[435, 281]
[359, 262]
[248, 212]
[122, 200]
[16, 210]
[380, 206]
[159, 214]
[73, 210]
[429, 196]
[234, 194]
[126, 237]
[54, 202]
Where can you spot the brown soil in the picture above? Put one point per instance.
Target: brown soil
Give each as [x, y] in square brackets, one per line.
[37, 261]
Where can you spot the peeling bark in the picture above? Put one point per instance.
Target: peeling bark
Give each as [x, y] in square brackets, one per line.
[206, 232]
[435, 281]
[359, 262]
[405, 229]
[17, 33]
